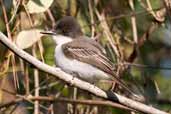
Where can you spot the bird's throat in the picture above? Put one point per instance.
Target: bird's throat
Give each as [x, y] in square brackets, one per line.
[60, 39]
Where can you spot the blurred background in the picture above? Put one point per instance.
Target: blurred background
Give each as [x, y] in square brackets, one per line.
[135, 34]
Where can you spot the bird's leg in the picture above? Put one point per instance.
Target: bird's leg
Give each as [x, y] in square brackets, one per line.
[73, 75]
[94, 84]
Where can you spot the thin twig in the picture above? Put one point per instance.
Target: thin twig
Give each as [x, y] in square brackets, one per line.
[36, 83]
[133, 21]
[146, 66]
[16, 84]
[27, 80]
[51, 18]
[74, 98]
[91, 17]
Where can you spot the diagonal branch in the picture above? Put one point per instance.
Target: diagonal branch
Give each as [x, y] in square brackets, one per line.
[76, 82]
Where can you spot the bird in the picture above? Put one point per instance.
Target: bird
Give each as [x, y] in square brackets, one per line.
[79, 55]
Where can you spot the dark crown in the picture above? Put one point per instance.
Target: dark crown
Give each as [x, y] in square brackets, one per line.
[68, 26]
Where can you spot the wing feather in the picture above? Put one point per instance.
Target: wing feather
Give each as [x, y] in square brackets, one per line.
[89, 53]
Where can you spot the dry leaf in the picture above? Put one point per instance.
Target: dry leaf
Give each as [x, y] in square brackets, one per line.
[27, 38]
[38, 6]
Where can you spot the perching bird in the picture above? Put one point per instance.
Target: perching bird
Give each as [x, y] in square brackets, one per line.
[81, 56]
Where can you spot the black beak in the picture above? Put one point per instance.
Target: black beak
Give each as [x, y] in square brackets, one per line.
[48, 32]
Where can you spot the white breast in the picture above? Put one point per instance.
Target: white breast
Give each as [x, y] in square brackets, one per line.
[83, 70]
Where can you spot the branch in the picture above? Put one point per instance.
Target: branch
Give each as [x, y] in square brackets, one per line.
[54, 99]
[58, 73]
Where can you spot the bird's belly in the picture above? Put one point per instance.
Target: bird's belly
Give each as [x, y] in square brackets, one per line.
[80, 69]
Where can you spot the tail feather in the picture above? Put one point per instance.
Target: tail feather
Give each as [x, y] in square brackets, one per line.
[122, 84]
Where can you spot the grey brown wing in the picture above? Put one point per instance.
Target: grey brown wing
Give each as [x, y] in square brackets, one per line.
[89, 54]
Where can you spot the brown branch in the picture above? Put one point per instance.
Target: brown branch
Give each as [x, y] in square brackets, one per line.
[58, 73]
[53, 99]
[57, 99]
[85, 102]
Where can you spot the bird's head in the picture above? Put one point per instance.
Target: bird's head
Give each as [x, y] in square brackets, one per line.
[65, 30]
[68, 26]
